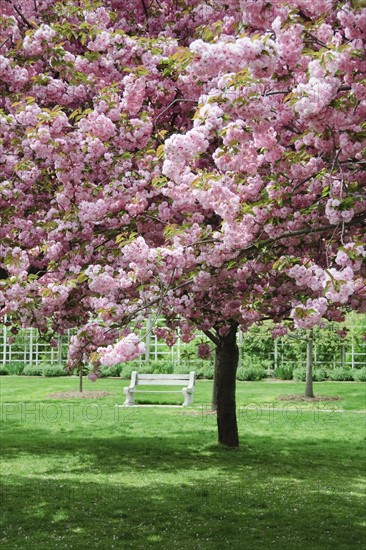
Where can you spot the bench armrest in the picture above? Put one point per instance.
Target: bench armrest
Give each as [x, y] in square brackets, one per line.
[133, 380]
[191, 381]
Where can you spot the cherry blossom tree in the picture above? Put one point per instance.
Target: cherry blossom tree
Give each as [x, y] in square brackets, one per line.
[203, 160]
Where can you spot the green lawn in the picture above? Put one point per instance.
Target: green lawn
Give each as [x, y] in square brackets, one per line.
[85, 474]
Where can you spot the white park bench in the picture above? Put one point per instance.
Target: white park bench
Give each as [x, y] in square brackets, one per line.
[138, 379]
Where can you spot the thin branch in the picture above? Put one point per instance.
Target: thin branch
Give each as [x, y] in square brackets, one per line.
[316, 40]
[170, 105]
[352, 162]
[305, 231]
[276, 93]
[145, 9]
[23, 18]
[5, 41]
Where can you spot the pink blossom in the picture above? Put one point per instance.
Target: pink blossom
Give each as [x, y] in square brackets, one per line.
[204, 351]
[124, 350]
[279, 330]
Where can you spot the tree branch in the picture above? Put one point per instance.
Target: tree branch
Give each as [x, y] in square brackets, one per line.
[23, 18]
[212, 337]
[145, 9]
[170, 105]
[305, 231]
[5, 41]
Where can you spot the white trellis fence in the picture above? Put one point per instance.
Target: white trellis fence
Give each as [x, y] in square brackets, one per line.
[28, 348]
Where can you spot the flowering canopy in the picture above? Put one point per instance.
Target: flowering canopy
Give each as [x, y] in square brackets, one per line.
[203, 158]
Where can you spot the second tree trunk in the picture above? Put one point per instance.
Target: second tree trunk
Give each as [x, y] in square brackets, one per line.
[309, 391]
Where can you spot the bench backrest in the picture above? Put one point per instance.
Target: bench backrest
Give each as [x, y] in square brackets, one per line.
[164, 379]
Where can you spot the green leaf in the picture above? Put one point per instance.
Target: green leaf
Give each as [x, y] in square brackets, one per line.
[81, 278]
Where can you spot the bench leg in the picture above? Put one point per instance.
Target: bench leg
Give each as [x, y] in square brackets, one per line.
[188, 397]
[130, 398]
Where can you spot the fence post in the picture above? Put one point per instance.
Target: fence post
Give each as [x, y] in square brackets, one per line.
[59, 350]
[343, 355]
[353, 353]
[31, 346]
[275, 353]
[25, 341]
[4, 343]
[148, 340]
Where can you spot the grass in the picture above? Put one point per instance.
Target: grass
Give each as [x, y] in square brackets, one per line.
[84, 474]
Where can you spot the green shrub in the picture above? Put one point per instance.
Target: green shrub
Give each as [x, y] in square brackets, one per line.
[359, 374]
[32, 370]
[127, 370]
[114, 370]
[3, 371]
[250, 374]
[319, 375]
[183, 369]
[49, 371]
[299, 374]
[14, 368]
[284, 373]
[264, 364]
[204, 372]
[147, 368]
[340, 375]
[159, 366]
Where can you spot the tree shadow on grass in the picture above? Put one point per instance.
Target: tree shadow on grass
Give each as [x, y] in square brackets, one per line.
[135, 486]
[113, 452]
[214, 513]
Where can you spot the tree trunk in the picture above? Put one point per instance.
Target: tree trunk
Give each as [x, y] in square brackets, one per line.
[309, 391]
[81, 381]
[214, 387]
[227, 356]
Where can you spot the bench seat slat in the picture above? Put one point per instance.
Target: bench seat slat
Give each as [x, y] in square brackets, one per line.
[155, 382]
[157, 391]
[163, 376]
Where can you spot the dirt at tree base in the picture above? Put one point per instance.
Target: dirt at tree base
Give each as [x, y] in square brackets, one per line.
[315, 399]
[79, 395]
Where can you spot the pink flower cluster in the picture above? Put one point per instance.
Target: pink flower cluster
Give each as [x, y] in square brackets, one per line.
[98, 125]
[126, 349]
[311, 314]
[335, 214]
[204, 351]
[34, 43]
[134, 94]
[279, 330]
[86, 341]
[339, 285]
[312, 277]
[183, 148]
[351, 255]
[316, 94]
[187, 333]
[226, 57]
[104, 283]
[167, 334]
